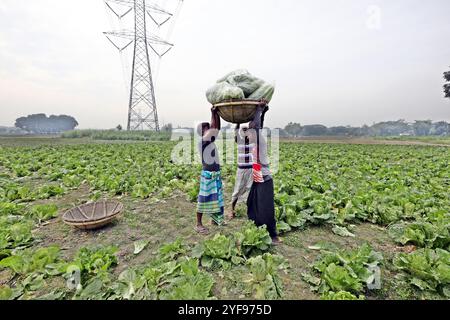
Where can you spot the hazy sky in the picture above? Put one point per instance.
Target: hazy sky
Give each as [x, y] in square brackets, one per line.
[334, 62]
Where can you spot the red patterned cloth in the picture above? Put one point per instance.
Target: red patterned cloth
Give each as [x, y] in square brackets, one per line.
[257, 173]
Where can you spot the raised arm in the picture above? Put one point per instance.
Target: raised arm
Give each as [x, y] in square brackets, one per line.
[258, 120]
[215, 126]
[236, 132]
[215, 119]
[264, 115]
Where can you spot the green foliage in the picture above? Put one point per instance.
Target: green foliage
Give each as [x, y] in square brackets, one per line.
[5, 292]
[117, 135]
[140, 245]
[342, 231]
[192, 191]
[94, 261]
[331, 185]
[369, 183]
[431, 231]
[28, 261]
[44, 212]
[165, 278]
[191, 284]
[218, 252]
[48, 191]
[344, 270]
[139, 170]
[252, 239]
[426, 269]
[225, 251]
[341, 295]
[172, 250]
[14, 232]
[141, 191]
[264, 280]
[95, 288]
[9, 208]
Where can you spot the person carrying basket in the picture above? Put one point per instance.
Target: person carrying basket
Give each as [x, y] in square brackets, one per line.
[260, 202]
[210, 198]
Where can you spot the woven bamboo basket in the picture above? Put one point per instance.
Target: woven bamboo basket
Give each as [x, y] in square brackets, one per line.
[93, 215]
[237, 111]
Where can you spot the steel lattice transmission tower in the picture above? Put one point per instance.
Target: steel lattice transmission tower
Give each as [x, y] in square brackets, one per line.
[142, 110]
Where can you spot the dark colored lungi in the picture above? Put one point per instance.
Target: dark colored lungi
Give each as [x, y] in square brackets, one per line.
[261, 206]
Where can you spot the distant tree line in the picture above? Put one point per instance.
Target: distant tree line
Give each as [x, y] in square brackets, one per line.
[41, 124]
[10, 131]
[387, 128]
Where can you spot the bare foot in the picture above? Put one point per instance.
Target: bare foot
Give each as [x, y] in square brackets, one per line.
[231, 215]
[202, 230]
[276, 241]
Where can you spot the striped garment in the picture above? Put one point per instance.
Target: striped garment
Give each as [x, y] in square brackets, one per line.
[245, 155]
[210, 197]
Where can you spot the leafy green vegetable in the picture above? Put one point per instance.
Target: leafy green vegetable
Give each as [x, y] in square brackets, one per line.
[265, 281]
[94, 261]
[341, 295]
[403, 187]
[9, 208]
[218, 252]
[164, 279]
[344, 270]
[339, 278]
[432, 231]
[426, 269]
[29, 261]
[141, 191]
[44, 212]
[223, 91]
[253, 239]
[140, 245]
[14, 233]
[171, 250]
[342, 231]
[96, 288]
[57, 294]
[49, 191]
[225, 251]
[192, 284]
[5, 293]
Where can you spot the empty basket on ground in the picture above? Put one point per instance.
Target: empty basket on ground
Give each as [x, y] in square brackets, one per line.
[93, 215]
[237, 111]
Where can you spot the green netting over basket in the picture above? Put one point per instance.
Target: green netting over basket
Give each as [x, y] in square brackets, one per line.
[223, 91]
[240, 85]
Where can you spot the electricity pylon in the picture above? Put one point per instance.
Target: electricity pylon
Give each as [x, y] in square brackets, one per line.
[142, 110]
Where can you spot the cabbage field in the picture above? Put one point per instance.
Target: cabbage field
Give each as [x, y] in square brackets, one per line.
[358, 222]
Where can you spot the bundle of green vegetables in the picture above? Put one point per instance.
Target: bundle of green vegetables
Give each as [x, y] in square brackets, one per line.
[239, 84]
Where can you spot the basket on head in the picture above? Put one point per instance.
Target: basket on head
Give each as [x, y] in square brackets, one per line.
[237, 111]
[93, 215]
